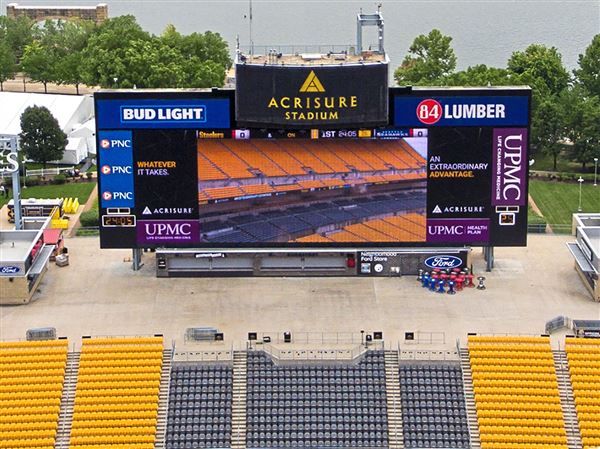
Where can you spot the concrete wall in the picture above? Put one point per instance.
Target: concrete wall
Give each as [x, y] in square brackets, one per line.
[98, 14]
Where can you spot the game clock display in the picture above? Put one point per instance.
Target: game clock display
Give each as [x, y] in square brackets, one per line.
[123, 221]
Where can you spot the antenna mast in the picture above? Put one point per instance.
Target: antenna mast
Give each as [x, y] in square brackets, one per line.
[250, 21]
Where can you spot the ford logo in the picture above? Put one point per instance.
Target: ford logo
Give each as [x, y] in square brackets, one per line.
[443, 262]
[9, 270]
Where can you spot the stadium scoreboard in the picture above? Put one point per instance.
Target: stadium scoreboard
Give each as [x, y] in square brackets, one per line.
[444, 167]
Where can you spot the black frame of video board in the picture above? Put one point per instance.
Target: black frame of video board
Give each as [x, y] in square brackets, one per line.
[148, 145]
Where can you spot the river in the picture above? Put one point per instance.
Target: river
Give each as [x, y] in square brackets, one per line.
[483, 31]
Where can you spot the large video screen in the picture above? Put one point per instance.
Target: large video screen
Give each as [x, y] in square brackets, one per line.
[176, 170]
[305, 191]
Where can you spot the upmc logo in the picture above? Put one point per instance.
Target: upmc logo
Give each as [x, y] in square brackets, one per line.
[168, 231]
[429, 111]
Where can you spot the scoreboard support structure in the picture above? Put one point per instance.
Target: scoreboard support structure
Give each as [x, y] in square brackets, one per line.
[381, 262]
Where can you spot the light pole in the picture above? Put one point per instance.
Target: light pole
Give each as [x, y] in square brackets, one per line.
[580, 181]
[595, 171]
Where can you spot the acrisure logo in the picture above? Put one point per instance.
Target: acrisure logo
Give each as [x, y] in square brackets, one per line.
[306, 107]
[312, 84]
[443, 261]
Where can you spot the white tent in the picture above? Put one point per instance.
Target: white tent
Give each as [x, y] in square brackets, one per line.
[71, 111]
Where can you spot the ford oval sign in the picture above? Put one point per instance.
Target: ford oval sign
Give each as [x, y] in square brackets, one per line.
[443, 262]
[7, 269]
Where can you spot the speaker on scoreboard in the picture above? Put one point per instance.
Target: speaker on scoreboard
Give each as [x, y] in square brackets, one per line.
[252, 336]
[287, 337]
[219, 336]
[378, 335]
[409, 335]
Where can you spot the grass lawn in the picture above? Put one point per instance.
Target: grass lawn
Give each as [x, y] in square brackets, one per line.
[80, 190]
[544, 162]
[559, 200]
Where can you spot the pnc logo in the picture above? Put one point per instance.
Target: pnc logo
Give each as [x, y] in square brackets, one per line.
[115, 143]
[429, 111]
[312, 84]
[107, 196]
[106, 170]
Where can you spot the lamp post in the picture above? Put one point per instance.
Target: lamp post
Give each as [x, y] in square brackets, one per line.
[580, 181]
[595, 171]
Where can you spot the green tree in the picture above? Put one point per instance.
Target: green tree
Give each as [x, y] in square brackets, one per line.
[588, 74]
[8, 65]
[151, 63]
[481, 76]
[42, 140]
[106, 49]
[548, 128]
[540, 65]
[68, 47]
[39, 64]
[430, 60]
[582, 124]
[17, 33]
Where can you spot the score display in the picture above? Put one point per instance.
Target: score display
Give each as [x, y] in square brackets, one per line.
[449, 169]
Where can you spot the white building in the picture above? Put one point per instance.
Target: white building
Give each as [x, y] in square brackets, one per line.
[74, 113]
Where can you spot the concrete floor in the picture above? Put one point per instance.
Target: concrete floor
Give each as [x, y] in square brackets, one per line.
[99, 294]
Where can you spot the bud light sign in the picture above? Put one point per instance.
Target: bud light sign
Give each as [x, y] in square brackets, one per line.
[443, 262]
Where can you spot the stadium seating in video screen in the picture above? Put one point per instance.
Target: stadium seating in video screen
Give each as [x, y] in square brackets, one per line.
[284, 190]
[116, 400]
[584, 366]
[31, 385]
[200, 404]
[338, 215]
[316, 404]
[516, 393]
[433, 405]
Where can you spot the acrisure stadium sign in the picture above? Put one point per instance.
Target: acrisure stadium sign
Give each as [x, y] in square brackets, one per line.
[298, 97]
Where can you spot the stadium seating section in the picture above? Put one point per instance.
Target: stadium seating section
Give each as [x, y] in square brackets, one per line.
[294, 404]
[116, 400]
[316, 404]
[433, 405]
[516, 393]
[200, 399]
[31, 385]
[584, 367]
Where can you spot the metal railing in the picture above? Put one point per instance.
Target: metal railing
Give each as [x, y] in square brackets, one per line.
[48, 171]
